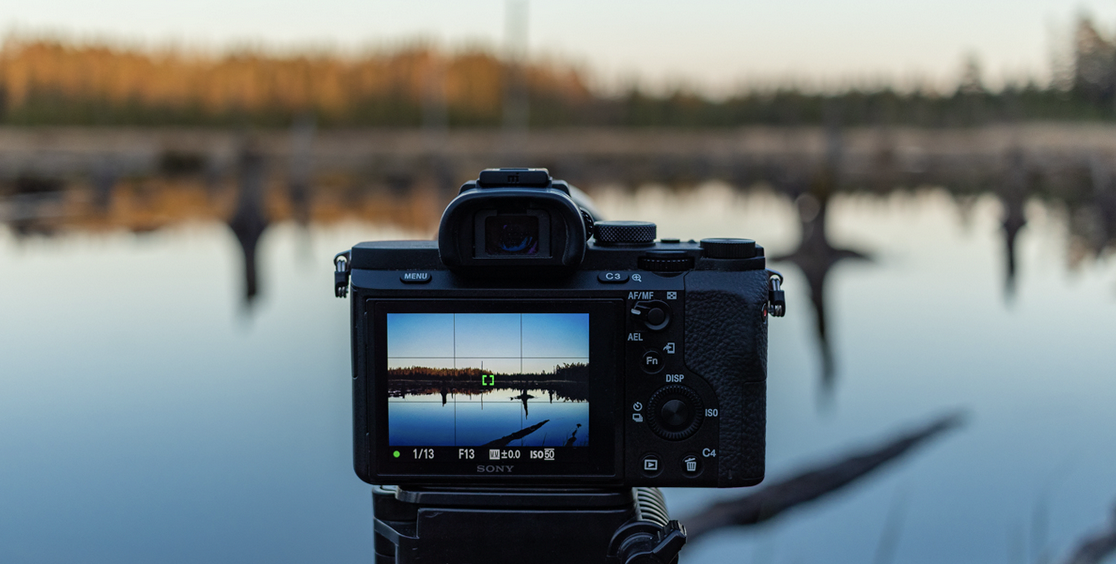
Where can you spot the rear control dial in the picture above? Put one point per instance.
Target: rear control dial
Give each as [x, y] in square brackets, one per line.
[666, 261]
[675, 412]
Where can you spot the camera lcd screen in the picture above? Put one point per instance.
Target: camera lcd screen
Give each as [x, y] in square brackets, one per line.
[488, 380]
[523, 388]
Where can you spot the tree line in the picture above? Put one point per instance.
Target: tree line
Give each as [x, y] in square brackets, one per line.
[575, 371]
[53, 82]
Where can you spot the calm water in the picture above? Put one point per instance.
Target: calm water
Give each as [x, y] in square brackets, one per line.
[149, 415]
[475, 420]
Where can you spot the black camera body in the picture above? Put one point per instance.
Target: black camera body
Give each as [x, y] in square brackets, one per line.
[515, 351]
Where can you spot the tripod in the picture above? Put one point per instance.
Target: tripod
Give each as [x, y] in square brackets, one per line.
[496, 526]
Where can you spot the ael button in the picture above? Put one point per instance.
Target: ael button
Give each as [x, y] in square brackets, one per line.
[654, 314]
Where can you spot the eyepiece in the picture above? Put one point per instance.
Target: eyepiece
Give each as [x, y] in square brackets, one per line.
[512, 218]
[511, 235]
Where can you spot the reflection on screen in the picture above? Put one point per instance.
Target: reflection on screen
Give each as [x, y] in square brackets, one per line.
[488, 379]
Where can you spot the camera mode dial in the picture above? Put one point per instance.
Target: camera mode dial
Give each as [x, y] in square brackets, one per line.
[675, 412]
[728, 248]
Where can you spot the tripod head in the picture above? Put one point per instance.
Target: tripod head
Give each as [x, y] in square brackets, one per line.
[466, 525]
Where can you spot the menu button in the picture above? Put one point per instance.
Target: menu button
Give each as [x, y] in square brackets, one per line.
[415, 277]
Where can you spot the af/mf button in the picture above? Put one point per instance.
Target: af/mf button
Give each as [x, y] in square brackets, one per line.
[652, 362]
[654, 314]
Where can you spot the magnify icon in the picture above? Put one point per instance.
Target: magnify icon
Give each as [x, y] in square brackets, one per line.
[637, 278]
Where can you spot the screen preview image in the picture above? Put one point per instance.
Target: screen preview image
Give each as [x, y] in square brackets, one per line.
[488, 380]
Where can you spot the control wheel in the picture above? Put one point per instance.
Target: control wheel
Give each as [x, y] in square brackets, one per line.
[675, 412]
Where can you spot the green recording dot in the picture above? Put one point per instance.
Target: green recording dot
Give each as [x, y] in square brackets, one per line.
[395, 454]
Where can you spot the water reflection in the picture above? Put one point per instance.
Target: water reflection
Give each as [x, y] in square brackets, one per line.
[316, 181]
[816, 257]
[455, 417]
[36, 204]
[33, 204]
[231, 416]
[300, 175]
[524, 396]
[249, 220]
[1013, 193]
[331, 174]
[1097, 226]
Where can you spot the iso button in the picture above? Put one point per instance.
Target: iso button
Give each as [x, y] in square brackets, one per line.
[613, 277]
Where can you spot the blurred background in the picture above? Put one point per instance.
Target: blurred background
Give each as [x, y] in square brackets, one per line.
[937, 182]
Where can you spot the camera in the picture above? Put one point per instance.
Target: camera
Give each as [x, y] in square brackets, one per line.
[534, 344]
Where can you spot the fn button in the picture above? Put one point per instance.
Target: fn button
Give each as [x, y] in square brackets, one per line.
[652, 362]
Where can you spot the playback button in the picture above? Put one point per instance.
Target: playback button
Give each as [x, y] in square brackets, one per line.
[651, 465]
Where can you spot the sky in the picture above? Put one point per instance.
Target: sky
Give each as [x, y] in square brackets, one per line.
[713, 45]
[506, 342]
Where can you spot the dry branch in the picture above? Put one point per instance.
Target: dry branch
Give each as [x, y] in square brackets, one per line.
[1097, 547]
[811, 484]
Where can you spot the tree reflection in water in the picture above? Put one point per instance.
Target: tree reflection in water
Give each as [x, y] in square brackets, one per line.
[815, 257]
[408, 184]
[1013, 195]
[249, 220]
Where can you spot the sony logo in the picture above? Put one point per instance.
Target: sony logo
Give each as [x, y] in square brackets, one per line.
[492, 468]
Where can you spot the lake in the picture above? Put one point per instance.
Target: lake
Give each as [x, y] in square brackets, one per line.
[151, 411]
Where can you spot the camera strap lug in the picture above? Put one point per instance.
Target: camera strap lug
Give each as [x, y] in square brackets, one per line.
[341, 274]
[776, 301]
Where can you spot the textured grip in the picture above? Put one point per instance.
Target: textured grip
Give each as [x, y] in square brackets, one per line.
[610, 232]
[726, 344]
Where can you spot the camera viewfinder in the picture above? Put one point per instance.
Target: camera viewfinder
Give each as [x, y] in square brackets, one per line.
[511, 235]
